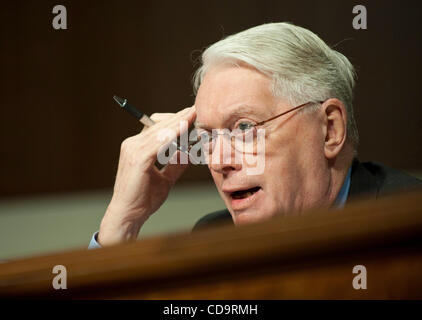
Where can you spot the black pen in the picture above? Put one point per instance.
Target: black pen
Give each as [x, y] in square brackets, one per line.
[145, 120]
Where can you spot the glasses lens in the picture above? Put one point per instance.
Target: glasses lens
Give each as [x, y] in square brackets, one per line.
[244, 140]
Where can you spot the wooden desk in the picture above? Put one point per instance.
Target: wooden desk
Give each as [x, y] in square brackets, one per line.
[304, 257]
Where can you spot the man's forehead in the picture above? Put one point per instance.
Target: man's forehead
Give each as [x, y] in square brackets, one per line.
[233, 91]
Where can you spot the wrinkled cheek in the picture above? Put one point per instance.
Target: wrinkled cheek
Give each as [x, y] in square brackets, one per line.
[254, 164]
[268, 205]
[216, 176]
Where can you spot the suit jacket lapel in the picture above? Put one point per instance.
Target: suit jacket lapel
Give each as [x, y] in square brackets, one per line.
[362, 182]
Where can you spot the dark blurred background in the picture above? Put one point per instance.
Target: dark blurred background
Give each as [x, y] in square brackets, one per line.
[61, 130]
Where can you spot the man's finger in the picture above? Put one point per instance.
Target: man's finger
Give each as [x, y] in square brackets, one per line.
[148, 140]
[160, 117]
[166, 127]
[172, 172]
[157, 117]
[172, 123]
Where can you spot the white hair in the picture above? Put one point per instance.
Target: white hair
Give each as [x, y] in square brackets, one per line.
[303, 67]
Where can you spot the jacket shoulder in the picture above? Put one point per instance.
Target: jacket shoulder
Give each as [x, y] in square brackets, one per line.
[382, 179]
[213, 219]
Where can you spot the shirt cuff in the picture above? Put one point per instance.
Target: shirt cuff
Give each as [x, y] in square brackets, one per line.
[94, 244]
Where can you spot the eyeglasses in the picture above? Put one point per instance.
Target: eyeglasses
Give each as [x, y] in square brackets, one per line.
[244, 138]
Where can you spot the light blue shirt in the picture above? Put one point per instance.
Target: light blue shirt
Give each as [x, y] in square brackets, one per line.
[94, 244]
[339, 203]
[344, 191]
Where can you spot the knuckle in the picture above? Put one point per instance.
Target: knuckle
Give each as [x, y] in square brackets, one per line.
[125, 145]
[155, 116]
[161, 116]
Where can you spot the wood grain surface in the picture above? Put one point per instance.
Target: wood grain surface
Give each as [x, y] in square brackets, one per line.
[308, 256]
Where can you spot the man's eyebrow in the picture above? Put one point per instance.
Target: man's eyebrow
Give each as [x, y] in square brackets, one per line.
[238, 111]
[243, 110]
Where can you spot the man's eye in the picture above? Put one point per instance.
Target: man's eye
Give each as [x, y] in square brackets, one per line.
[244, 126]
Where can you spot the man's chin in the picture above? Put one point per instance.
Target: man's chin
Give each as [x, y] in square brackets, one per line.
[249, 216]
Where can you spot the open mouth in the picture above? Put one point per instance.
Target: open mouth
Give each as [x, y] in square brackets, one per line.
[242, 194]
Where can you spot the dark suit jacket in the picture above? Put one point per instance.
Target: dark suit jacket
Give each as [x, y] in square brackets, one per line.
[368, 179]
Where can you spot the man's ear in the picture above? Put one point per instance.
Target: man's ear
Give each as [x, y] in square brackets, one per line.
[335, 121]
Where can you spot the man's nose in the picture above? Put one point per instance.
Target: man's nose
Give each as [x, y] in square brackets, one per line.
[224, 158]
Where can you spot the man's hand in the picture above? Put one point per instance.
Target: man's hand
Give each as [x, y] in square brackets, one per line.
[140, 187]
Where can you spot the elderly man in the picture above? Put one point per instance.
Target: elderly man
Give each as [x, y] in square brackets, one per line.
[285, 81]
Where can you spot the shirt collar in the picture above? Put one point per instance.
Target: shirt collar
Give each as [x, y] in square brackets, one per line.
[344, 191]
